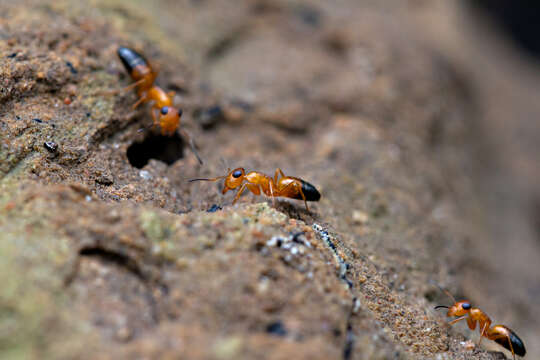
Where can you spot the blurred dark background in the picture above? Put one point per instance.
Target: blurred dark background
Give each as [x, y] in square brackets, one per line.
[495, 46]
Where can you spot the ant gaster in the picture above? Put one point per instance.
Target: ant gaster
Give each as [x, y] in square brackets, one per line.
[499, 333]
[257, 183]
[163, 112]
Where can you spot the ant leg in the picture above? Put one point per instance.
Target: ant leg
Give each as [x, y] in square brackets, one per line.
[272, 193]
[278, 171]
[244, 186]
[154, 122]
[511, 347]
[139, 102]
[303, 197]
[482, 333]
[282, 192]
[188, 137]
[154, 118]
[502, 336]
[276, 174]
[457, 320]
[135, 84]
[125, 89]
[255, 189]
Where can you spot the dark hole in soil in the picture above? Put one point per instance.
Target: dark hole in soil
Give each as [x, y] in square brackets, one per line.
[163, 148]
[115, 258]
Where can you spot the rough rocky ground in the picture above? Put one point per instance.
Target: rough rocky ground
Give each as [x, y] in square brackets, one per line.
[108, 252]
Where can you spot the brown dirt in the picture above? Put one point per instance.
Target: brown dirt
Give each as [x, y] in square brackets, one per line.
[108, 251]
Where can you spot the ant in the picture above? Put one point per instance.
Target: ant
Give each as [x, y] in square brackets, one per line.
[257, 182]
[169, 116]
[501, 334]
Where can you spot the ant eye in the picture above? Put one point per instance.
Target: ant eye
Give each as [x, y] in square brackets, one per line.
[237, 174]
[466, 306]
[164, 110]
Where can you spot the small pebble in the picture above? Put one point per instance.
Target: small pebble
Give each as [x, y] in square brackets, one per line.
[214, 208]
[124, 334]
[208, 118]
[51, 146]
[275, 241]
[356, 306]
[145, 175]
[359, 217]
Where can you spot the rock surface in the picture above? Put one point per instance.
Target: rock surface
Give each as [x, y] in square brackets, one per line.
[108, 252]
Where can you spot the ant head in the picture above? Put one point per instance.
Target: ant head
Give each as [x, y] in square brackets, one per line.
[169, 118]
[235, 178]
[460, 308]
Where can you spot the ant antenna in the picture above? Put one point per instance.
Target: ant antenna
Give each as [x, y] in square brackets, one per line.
[443, 290]
[446, 292]
[149, 127]
[189, 138]
[449, 295]
[209, 179]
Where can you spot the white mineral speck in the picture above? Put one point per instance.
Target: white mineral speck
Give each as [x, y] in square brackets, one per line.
[145, 175]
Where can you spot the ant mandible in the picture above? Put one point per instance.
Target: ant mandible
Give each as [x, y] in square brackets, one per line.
[257, 182]
[499, 333]
[169, 116]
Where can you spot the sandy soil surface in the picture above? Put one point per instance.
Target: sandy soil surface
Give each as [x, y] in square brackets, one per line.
[107, 251]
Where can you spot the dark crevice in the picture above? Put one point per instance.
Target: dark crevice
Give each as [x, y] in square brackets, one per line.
[168, 149]
[114, 257]
[209, 118]
[126, 262]
[344, 267]
[112, 127]
[348, 346]
[224, 45]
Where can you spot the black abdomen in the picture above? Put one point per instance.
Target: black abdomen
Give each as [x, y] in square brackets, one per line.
[517, 344]
[310, 192]
[130, 58]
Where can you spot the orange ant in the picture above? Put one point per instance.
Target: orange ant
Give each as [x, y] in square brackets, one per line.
[143, 74]
[499, 333]
[257, 182]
